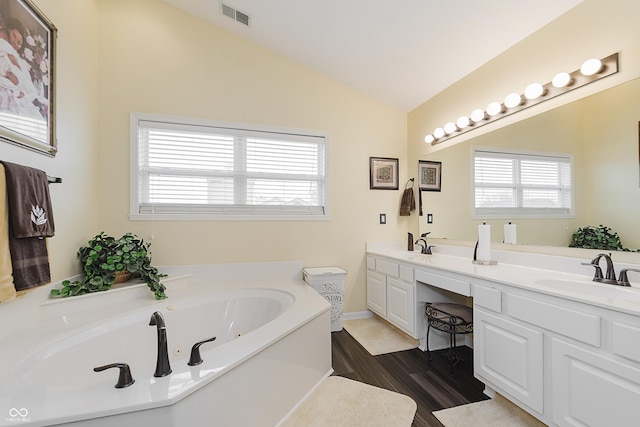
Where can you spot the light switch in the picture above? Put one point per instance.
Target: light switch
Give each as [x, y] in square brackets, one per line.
[383, 218]
[429, 218]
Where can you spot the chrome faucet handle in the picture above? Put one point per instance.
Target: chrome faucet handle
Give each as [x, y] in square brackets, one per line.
[624, 280]
[124, 377]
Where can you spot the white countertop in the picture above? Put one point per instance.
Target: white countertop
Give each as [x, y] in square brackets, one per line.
[523, 270]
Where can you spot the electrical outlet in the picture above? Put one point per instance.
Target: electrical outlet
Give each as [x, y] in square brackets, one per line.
[429, 218]
[383, 218]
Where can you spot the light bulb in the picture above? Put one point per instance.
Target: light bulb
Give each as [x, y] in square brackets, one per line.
[462, 122]
[512, 100]
[591, 67]
[477, 115]
[534, 91]
[429, 139]
[438, 132]
[494, 108]
[450, 128]
[561, 80]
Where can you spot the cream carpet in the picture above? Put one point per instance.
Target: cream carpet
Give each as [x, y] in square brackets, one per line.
[379, 336]
[341, 402]
[497, 412]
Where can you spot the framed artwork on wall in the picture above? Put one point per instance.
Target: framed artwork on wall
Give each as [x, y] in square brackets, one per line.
[429, 175]
[27, 86]
[383, 173]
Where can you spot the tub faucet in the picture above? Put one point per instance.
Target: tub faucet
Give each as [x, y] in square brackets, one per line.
[162, 363]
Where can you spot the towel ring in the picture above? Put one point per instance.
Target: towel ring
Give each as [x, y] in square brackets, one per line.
[410, 181]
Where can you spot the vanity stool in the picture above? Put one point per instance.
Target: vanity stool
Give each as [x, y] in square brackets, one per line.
[451, 318]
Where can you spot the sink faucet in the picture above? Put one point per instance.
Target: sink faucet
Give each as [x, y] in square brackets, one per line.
[426, 249]
[162, 363]
[610, 275]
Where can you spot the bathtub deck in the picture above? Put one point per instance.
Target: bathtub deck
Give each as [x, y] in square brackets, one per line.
[409, 372]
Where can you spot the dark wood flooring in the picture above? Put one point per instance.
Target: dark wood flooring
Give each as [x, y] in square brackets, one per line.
[409, 372]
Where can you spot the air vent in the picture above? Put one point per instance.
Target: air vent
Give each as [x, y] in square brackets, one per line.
[235, 14]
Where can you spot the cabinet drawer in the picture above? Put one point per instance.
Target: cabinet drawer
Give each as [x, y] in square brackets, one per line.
[388, 268]
[371, 263]
[443, 282]
[571, 323]
[487, 297]
[406, 273]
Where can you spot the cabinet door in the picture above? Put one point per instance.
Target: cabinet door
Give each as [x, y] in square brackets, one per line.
[590, 389]
[377, 293]
[510, 356]
[400, 305]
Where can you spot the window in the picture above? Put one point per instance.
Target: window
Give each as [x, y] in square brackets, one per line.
[192, 169]
[518, 184]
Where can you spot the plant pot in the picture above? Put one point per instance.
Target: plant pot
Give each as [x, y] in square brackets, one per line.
[122, 276]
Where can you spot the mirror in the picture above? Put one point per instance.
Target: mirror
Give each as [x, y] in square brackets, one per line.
[602, 133]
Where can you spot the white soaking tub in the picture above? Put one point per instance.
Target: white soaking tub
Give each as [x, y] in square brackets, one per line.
[272, 347]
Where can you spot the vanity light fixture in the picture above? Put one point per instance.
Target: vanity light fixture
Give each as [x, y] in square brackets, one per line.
[535, 93]
[494, 108]
[561, 80]
[591, 67]
[463, 122]
[512, 100]
[450, 128]
[478, 115]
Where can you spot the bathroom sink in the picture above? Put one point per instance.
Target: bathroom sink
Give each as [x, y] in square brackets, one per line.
[594, 289]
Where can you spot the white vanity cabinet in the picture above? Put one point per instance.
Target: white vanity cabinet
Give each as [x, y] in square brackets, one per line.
[566, 362]
[391, 293]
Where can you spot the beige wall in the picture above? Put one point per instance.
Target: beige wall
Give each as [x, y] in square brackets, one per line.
[74, 201]
[592, 29]
[154, 58]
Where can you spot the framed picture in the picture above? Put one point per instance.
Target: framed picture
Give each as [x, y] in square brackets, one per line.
[429, 175]
[383, 173]
[27, 85]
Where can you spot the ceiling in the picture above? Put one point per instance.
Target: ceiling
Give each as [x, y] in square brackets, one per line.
[402, 52]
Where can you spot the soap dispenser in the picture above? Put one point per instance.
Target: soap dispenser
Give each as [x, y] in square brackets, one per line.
[410, 242]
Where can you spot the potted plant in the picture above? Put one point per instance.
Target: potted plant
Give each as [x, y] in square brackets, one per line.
[107, 260]
[600, 237]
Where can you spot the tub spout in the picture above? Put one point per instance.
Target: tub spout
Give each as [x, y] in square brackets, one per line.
[162, 363]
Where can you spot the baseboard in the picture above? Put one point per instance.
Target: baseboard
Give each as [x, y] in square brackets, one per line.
[357, 315]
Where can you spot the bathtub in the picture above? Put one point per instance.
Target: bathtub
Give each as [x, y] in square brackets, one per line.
[272, 347]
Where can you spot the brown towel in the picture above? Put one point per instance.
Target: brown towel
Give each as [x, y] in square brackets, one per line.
[408, 202]
[7, 288]
[30, 220]
[30, 209]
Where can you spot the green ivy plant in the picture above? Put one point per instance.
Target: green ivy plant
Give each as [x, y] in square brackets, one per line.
[104, 256]
[600, 237]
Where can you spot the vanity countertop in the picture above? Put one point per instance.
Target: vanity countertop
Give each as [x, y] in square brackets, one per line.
[523, 270]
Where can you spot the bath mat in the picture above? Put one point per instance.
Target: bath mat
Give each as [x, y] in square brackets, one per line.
[341, 402]
[497, 412]
[379, 336]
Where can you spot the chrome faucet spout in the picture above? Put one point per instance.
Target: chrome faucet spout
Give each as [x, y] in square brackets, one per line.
[163, 368]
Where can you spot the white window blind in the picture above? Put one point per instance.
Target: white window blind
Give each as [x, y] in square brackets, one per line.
[517, 184]
[208, 170]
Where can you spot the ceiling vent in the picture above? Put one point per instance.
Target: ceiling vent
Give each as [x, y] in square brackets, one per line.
[235, 14]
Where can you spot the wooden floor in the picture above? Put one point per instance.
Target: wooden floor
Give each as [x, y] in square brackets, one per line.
[410, 373]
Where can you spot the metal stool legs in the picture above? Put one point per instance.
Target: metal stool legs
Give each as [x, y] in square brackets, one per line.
[452, 319]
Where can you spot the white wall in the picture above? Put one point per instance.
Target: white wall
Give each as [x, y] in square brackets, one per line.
[154, 58]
